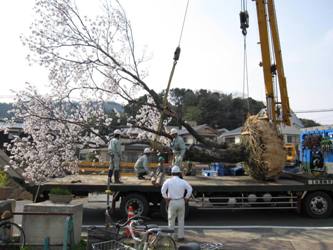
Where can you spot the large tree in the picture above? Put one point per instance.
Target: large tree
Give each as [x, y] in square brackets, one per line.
[91, 59]
[93, 56]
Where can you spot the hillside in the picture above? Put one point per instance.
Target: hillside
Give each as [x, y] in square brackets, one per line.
[108, 106]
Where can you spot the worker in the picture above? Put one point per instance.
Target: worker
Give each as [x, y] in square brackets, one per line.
[176, 192]
[141, 165]
[178, 148]
[114, 149]
[160, 161]
[158, 176]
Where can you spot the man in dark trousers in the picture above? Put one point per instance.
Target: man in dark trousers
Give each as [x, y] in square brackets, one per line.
[173, 191]
[114, 149]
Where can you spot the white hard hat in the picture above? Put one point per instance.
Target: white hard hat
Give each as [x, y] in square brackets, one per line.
[146, 151]
[174, 131]
[117, 132]
[175, 169]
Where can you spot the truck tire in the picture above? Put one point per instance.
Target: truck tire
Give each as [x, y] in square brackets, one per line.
[164, 211]
[137, 201]
[318, 205]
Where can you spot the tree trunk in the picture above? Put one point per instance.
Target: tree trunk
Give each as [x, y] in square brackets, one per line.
[232, 154]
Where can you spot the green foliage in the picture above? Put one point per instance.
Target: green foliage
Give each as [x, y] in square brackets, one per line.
[61, 191]
[82, 245]
[216, 109]
[4, 180]
[25, 248]
[309, 123]
[192, 113]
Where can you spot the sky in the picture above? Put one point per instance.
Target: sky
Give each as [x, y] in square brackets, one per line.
[212, 48]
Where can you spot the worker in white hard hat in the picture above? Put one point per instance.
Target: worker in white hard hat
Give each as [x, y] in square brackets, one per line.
[176, 192]
[114, 149]
[141, 165]
[178, 148]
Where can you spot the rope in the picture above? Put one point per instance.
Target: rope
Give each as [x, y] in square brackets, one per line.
[246, 78]
[182, 29]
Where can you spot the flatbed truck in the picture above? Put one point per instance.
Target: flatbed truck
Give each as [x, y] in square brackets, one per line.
[310, 195]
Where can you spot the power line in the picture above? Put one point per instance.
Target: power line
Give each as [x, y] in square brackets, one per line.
[314, 111]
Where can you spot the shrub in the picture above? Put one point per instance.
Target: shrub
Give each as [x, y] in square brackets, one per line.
[61, 191]
[4, 180]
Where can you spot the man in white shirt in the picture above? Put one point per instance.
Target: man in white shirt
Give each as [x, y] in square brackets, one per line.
[173, 191]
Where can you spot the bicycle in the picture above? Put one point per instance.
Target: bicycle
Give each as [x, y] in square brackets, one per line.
[145, 236]
[6, 230]
[150, 237]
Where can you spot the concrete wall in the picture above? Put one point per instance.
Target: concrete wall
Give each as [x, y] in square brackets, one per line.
[37, 227]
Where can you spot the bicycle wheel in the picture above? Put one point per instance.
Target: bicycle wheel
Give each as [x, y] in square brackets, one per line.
[164, 242]
[10, 228]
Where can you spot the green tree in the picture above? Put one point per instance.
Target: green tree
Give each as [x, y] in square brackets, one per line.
[309, 123]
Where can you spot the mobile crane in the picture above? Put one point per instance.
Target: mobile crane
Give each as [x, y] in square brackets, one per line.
[272, 63]
[278, 111]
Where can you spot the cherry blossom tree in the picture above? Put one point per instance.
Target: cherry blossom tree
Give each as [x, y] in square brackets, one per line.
[55, 130]
[95, 56]
[90, 60]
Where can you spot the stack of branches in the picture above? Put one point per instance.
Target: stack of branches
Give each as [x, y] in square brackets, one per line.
[266, 155]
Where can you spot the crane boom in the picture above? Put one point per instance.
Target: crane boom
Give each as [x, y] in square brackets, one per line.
[272, 62]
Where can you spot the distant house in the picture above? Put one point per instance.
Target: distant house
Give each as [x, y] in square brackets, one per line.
[231, 136]
[220, 131]
[15, 128]
[203, 130]
[290, 133]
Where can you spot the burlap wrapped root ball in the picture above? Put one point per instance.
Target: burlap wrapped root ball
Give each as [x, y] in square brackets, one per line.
[266, 155]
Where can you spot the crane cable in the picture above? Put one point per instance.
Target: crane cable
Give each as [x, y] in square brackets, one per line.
[175, 60]
[244, 24]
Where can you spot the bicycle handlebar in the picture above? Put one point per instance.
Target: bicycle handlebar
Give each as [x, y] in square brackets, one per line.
[136, 217]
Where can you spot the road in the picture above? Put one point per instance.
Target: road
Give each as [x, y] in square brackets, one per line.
[239, 229]
[94, 214]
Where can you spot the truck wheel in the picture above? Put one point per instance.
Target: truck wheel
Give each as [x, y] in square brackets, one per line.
[137, 201]
[164, 210]
[318, 205]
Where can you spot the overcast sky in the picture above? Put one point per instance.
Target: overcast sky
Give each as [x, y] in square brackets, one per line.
[212, 47]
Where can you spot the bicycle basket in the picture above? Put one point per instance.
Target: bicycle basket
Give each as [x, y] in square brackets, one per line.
[111, 245]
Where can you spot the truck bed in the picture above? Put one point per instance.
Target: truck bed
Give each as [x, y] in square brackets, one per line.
[98, 183]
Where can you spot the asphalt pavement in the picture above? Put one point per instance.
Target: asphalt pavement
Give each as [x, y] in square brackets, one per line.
[236, 229]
